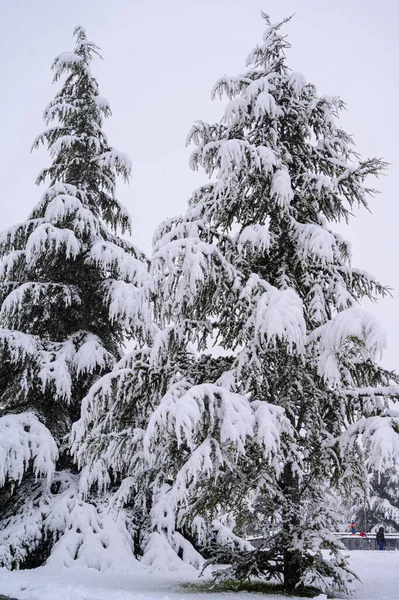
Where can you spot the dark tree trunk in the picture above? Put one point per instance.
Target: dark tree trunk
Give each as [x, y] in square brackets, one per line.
[292, 570]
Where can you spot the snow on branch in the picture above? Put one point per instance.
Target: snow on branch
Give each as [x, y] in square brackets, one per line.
[58, 107]
[204, 462]
[161, 553]
[61, 207]
[167, 549]
[64, 61]
[229, 85]
[103, 104]
[120, 263]
[64, 191]
[379, 390]
[118, 160]
[62, 202]
[226, 537]
[103, 422]
[63, 142]
[297, 82]
[256, 236]
[46, 239]
[55, 364]
[343, 297]
[184, 265]
[97, 404]
[213, 422]
[212, 427]
[353, 326]
[82, 352]
[274, 44]
[271, 422]
[20, 346]
[236, 154]
[273, 314]
[15, 237]
[96, 473]
[256, 97]
[128, 304]
[90, 535]
[91, 354]
[281, 187]
[25, 441]
[316, 241]
[199, 410]
[13, 306]
[232, 157]
[9, 263]
[55, 370]
[379, 437]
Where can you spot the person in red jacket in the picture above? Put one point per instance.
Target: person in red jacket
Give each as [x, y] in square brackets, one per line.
[352, 528]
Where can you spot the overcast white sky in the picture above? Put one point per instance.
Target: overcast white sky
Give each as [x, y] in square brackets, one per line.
[161, 61]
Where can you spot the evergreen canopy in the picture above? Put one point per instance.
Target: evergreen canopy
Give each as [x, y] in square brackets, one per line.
[299, 405]
[182, 449]
[71, 290]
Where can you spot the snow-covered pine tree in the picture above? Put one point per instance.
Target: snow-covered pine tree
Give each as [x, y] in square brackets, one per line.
[380, 507]
[254, 266]
[71, 290]
[112, 438]
[266, 431]
[383, 504]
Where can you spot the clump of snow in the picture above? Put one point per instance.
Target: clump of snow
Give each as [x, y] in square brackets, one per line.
[160, 556]
[115, 259]
[94, 537]
[115, 158]
[273, 314]
[64, 61]
[351, 325]
[47, 238]
[25, 442]
[256, 236]
[379, 438]
[281, 187]
[316, 241]
[81, 353]
[226, 537]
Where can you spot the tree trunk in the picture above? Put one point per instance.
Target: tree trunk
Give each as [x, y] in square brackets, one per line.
[292, 570]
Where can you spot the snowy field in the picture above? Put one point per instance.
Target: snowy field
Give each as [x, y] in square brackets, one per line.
[379, 572]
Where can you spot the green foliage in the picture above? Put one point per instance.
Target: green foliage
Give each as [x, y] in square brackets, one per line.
[71, 291]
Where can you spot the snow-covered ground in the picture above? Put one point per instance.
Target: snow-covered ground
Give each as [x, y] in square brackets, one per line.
[379, 572]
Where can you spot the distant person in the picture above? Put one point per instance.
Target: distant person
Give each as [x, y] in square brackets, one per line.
[380, 538]
[352, 528]
[363, 534]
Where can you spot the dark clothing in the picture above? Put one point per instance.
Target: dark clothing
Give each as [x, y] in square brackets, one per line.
[380, 538]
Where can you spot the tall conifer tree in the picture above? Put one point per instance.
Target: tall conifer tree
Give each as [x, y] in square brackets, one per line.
[255, 263]
[71, 290]
[262, 434]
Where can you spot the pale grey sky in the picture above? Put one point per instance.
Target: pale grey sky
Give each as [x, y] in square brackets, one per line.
[161, 61]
